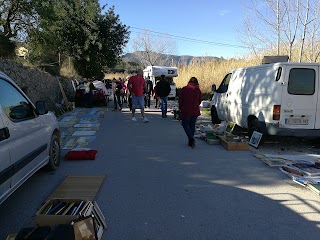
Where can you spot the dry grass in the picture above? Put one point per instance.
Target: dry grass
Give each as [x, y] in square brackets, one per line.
[210, 72]
[115, 75]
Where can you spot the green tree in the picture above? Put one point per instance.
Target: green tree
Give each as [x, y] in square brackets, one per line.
[17, 17]
[105, 49]
[78, 29]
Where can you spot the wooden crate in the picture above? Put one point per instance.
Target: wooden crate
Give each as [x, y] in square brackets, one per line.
[72, 189]
[234, 146]
[211, 141]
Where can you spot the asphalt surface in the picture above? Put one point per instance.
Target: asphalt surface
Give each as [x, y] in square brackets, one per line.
[159, 188]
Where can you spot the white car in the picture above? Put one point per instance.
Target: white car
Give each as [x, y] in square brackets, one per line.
[29, 137]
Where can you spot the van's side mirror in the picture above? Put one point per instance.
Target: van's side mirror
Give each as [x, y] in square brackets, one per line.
[41, 107]
[214, 88]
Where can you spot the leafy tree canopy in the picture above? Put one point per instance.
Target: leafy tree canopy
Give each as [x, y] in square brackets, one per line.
[76, 28]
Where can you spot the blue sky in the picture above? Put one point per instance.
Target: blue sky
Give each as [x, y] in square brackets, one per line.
[214, 21]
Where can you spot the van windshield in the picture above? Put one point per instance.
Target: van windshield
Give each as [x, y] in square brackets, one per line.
[301, 81]
[224, 84]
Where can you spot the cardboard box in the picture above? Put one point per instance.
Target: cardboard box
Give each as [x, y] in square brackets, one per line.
[234, 146]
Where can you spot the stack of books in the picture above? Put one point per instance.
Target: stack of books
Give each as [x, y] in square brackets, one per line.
[63, 207]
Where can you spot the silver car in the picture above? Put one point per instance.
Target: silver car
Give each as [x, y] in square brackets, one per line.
[29, 137]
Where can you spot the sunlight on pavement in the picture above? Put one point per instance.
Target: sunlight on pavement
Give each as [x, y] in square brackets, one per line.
[305, 207]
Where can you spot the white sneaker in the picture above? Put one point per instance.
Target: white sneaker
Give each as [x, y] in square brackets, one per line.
[145, 120]
[134, 119]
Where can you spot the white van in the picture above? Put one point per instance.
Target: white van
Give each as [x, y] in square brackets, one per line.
[275, 99]
[29, 137]
[155, 72]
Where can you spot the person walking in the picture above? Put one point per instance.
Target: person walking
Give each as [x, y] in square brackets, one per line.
[155, 96]
[89, 93]
[163, 90]
[117, 94]
[189, 101]
[123, 92]
[136, 86]
[149, 92]
[128, 94]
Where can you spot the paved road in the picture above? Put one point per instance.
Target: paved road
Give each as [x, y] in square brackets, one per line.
[159, 188]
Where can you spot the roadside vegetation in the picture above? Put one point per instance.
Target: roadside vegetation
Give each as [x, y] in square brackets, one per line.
[71, 38]
[80, 38]
[209, 72]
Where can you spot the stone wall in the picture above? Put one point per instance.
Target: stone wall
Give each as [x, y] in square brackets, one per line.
[38, 84]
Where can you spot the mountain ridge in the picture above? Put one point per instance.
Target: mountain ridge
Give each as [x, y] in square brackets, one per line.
[173, 59]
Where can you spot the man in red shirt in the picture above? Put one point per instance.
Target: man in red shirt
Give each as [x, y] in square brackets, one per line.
[136, 85]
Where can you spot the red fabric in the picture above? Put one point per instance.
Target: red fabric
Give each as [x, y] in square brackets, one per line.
[137, 85]
[155, 93]
[81, 155]
[189, 101]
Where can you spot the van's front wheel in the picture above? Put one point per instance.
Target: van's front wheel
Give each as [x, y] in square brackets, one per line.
[254, 125]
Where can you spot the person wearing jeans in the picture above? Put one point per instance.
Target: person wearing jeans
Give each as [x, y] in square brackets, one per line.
[189, 126]
[163, 90]
[137, 85]
[189, 101]
[164, 105]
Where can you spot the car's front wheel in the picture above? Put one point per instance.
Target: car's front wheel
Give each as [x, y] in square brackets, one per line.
[54, 153]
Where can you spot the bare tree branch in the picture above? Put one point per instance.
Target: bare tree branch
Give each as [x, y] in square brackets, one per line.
[306, 21]
[149, 50]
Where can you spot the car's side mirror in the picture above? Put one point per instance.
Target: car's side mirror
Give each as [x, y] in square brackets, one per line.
[41, 107]
[214, 88]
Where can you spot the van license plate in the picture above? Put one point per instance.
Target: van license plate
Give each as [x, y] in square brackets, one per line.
[297, 121]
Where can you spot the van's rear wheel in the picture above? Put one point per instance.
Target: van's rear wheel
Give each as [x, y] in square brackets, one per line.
[214, 116]
[54, 153]
[254, 125]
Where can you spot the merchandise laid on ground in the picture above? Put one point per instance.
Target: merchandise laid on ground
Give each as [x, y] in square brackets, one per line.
[303, 169]
[79, 127]
[221, 134]
[70, 212]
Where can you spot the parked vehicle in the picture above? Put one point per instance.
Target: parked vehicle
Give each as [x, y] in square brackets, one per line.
[29, 137]
[155, 72]
[275, 99]
[101, 95]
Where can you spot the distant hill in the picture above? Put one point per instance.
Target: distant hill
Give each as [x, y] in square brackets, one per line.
[175, 59]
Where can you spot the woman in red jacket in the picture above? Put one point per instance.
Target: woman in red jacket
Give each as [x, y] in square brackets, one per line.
[189, 101]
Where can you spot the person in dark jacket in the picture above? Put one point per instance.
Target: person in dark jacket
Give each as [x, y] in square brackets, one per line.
[189, 101]
[149, 92]
[163, 90]
[89, 93]
[117, 94]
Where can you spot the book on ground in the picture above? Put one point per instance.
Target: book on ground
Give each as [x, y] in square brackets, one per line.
[68, 208]
[314, 187]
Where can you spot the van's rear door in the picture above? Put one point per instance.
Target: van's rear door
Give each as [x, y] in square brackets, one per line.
[299, 97]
